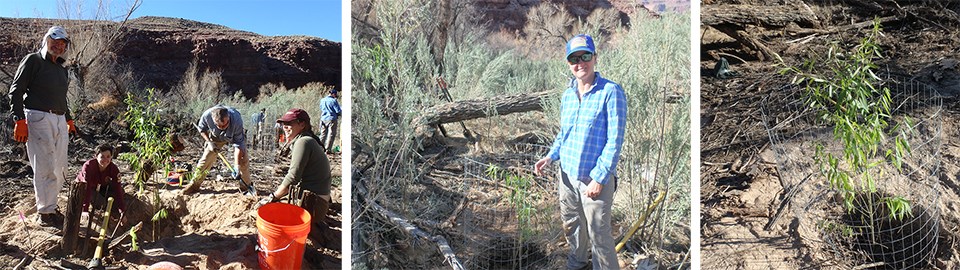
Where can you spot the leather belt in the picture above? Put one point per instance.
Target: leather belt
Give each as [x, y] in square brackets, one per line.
[57, 112]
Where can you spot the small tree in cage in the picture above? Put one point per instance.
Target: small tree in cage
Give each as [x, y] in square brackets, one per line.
[851, 98]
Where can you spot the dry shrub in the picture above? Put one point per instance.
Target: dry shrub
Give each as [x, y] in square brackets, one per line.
[198, 91]
[269, 89]
[105, 103]
[548, 25]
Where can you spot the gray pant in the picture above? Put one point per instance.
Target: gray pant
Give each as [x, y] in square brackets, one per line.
[328, 133]
[587, 223]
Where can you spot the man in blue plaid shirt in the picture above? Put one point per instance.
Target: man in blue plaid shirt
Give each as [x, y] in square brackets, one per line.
[593, 115]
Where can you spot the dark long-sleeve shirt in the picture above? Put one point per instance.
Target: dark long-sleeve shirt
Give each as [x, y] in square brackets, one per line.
[91, 174]
[39, 84]
[309, 166]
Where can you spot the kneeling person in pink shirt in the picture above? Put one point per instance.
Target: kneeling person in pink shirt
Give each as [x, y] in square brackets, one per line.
[100, 172]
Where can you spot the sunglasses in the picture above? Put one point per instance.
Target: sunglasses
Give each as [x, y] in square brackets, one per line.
[573, 59]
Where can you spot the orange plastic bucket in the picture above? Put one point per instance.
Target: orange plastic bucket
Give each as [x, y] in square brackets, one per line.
[281, 235]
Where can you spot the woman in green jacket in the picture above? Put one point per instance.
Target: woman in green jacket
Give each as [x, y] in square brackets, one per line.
[309, 166]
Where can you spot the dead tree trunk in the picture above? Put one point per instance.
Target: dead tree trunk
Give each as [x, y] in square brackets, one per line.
[71, 221]
[732, 20]
[779, 16]
[477, 108]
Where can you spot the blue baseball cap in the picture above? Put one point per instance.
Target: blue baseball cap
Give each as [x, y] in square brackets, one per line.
[580, 42]
[333, 91]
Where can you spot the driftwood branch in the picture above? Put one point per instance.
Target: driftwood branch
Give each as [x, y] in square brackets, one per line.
[442, 244]
[807, 31]
[477, 108]
[779, 16]
[748, 40]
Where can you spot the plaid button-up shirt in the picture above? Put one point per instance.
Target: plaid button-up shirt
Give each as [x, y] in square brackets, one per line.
[591, 130]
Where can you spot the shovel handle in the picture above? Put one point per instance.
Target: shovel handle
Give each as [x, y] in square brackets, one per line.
[103, 230]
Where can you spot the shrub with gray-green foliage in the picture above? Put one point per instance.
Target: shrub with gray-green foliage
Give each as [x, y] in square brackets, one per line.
[654, 69]
[201, 90]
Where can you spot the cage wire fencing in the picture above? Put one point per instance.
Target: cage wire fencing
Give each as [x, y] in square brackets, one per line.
[866, 235]
[511, 220]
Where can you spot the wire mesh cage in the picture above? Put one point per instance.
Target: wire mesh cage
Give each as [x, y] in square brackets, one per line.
[511, 219]
[864, 233]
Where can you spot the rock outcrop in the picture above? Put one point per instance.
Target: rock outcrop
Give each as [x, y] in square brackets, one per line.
[512, 14]
[160, 50]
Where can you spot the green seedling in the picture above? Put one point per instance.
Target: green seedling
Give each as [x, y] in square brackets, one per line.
[851, 98]
[153, 146]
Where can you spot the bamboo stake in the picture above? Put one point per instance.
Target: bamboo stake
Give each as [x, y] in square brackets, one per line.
[95, 262]
[636, 225]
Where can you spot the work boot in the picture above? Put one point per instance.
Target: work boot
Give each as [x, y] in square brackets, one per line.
[47, 220]
[193, 187]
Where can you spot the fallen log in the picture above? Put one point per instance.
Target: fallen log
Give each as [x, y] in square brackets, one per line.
[477, 108]
[836, 29]
[448, 255]
[779, 16]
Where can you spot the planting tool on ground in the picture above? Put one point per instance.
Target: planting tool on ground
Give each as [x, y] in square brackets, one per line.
[235, 172]
[98, 254]
[636, 225]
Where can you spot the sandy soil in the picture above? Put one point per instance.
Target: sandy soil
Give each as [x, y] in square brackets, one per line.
[741, 187]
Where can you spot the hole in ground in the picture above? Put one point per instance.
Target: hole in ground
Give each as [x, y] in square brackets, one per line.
[900, 244]
[508, 253]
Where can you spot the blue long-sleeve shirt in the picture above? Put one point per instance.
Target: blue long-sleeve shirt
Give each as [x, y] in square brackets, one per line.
[234, 132]
[591, 130]
[257, 118]
[329, 108]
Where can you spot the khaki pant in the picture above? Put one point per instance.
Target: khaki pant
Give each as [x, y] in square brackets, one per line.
[328, 133]
[587, 223]
[47, 151]
[210, 157]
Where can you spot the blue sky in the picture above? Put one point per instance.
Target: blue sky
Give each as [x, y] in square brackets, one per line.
[318, 18]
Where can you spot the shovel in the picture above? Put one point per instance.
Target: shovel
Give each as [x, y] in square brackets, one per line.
[235, 172]
[98, 254]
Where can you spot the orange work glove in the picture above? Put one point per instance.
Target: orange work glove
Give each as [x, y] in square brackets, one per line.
[20, 130]
[71, 128]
